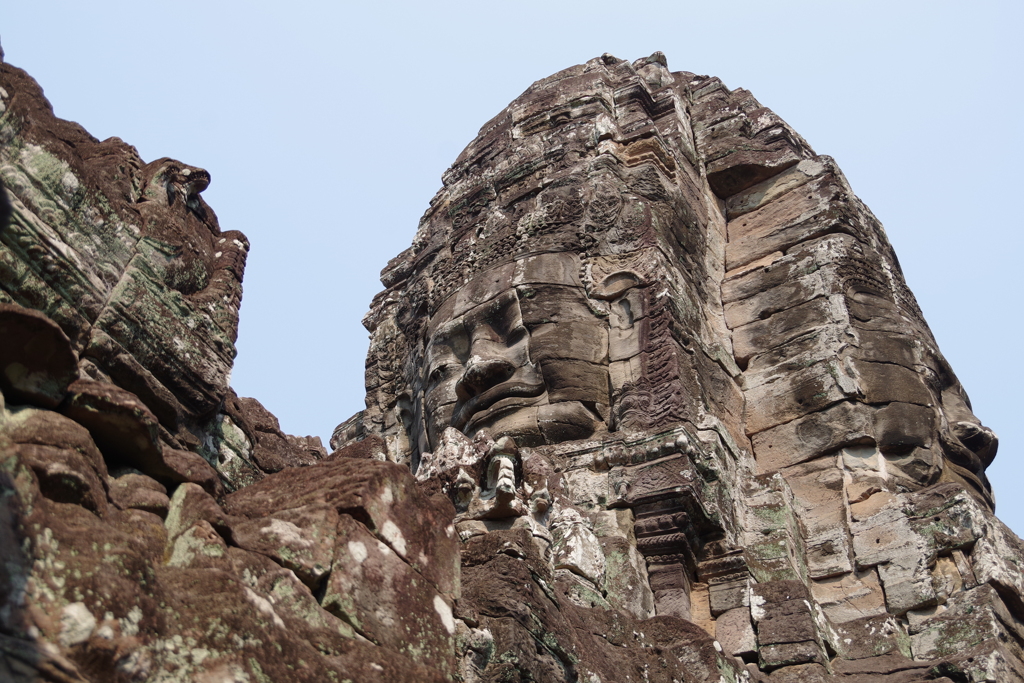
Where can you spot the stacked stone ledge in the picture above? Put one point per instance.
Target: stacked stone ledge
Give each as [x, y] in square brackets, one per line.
[739, 456]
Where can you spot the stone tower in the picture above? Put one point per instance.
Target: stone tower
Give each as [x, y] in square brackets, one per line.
[646, 322]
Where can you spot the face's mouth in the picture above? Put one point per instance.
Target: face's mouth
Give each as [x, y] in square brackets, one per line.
[508, 394]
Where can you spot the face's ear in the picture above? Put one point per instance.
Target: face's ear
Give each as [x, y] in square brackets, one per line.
[413, 428]
[615, 285]
[405, 411]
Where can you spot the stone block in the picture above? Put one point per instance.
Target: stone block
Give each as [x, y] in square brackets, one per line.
[784, 326]
[623, 343]
[187, 467]
[576, 380]
[790, 621]
[801, 673]
[621, 373]
[301, 539]
[899, 425]
[124, 429]
[574, 340]
[700, 608]
[990, 660]
[728, 595]
[890, 383]
[770, 301]
[992, 561]
[741, 162]
[826, 343]
[903, 558]
[575, 547]
[947, 516]
[190, 504]
[970, 618]
[871, 636]
[199, 547]
[546, 304]
[735, 632]
[139, 492]
[849, 596]
[819, 255]
[793, 218]
[808, 437]
[198, 370]
[773, 557]
[907, 583]
[819, 501]
[892, 667]
[788, 654]
[371, 588]
[625, 578]
[496, 281]
[887, 347]
[548, 269]
[673, 602]
[417, 527]
[776, 186]
[65, 475]
[796, 395]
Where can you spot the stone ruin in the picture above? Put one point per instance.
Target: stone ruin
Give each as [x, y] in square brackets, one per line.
[647, 399]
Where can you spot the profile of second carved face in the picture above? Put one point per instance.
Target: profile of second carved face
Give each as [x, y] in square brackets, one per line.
[528, 361]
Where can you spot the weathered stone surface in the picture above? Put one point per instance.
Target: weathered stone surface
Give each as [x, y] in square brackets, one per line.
[104, 590]
[119, 252]
[125, 430]
[872, 637]
[386, 600]
[735, 632]
[416, 527]
[139, 492]
[64, 476]
[185, 466]
[301, 539]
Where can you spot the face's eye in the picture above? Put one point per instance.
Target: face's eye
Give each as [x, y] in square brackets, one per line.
[515, 336]
[439, 373]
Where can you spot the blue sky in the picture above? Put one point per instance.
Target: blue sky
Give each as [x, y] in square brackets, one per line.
[326, 127]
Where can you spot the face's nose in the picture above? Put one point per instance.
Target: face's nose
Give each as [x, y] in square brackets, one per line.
[979, 439]
[481, 375]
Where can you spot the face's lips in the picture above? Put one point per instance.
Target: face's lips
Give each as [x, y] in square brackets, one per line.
[494, 415]
[480, 403]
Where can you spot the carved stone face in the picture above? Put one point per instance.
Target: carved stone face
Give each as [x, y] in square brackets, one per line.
[529, 362]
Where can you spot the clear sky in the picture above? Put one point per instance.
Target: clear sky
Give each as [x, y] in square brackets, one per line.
[326, 127]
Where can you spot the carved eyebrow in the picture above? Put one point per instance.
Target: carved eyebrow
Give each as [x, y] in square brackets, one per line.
[502, 313]
[448, 332]
[448, 344]
[440, 353]
[439, 372]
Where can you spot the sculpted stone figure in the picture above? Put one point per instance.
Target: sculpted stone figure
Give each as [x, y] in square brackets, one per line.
[584, 281]
[527, 364]
[700, 345]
